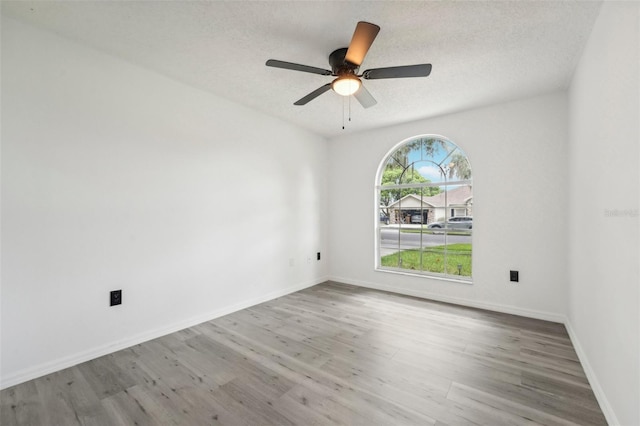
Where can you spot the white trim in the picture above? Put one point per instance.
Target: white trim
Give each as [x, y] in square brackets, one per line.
[605, 406]
[496, 307]
[75, 359]
[434, 275]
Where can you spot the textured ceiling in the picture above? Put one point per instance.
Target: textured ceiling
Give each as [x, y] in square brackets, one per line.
[482, 51]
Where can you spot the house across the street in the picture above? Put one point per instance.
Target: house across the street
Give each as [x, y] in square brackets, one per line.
[413, 209]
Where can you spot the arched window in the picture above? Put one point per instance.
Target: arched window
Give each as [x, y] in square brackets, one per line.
[424, 196]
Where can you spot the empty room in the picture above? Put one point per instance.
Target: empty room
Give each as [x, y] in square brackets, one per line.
[320, 213]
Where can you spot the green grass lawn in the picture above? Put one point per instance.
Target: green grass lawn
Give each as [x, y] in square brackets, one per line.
[432, 259]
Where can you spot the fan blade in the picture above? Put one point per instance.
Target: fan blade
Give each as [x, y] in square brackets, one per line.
[361, 41]
[311, 96]
[364, 97]
[421, 70]
[296, 67]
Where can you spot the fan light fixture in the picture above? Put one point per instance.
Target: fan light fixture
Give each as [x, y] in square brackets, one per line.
[346, 85]
[345, 65]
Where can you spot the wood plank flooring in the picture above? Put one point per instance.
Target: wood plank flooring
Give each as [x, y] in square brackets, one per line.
[330, 354]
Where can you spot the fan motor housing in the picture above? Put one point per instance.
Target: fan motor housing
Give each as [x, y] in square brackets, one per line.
[338, 65]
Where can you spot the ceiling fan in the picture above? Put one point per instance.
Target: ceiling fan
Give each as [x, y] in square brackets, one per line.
[345, 64]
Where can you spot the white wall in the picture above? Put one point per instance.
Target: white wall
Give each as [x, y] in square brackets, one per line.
[519, 159]
[604, 279]
[114, 177]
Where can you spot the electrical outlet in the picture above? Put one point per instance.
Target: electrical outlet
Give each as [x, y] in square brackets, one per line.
[514, 276]
[115, 298]
[318, 256]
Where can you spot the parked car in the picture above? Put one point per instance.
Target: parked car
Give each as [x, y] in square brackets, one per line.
[416, 218]
[384, 218]
[460, 222]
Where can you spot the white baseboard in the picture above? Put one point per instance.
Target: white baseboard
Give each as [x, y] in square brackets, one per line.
[605, 406]
[75, 359]
[506, 309]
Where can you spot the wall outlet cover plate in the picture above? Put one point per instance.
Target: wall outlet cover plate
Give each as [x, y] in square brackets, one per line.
[115, 298]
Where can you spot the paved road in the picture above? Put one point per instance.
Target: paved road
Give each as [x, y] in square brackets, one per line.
[389, 240]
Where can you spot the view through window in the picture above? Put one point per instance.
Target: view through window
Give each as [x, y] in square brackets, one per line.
[425, 210]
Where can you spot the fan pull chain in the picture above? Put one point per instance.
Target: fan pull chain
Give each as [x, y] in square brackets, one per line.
[346, 111]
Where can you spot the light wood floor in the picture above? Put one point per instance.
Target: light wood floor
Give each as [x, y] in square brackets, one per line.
[330, 354]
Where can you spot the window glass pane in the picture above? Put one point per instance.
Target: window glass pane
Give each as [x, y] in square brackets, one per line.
[426, 228]
[409, 259]
[389, 239]
[383, 215]
[434, 260]
[458, 258]
[428, 171]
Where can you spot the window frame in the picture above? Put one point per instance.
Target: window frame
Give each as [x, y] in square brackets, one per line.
[378, 188]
